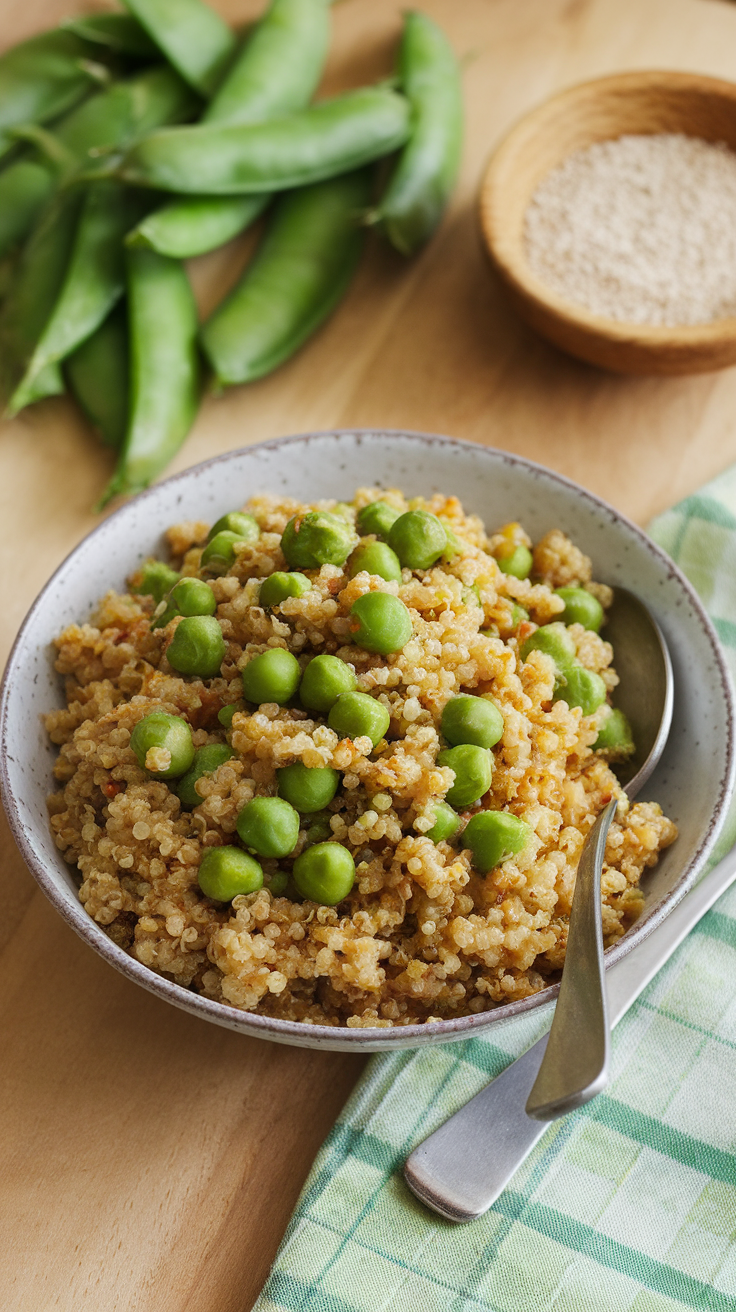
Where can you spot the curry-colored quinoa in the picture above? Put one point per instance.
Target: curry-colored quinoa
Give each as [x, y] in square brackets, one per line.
[422, 936]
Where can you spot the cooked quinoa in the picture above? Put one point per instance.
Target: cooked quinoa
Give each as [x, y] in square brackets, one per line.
[423, 935]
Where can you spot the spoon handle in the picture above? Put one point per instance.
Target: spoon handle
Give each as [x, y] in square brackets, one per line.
[575, 1064]
[461, 1169]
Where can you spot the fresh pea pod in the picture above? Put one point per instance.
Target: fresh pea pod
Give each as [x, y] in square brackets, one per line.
[35, 287]
[299, 274]
[25, 186]
[192, 36]
[97, 374]
[276, 73]
[425, 174]
[95, 280]
[195, 225]
[279, 66]
[42, 78]
[327, 139]
[120, 33]
[164, 369]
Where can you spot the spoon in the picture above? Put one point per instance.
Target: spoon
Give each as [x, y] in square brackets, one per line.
[575, 1064]
[450, 1171]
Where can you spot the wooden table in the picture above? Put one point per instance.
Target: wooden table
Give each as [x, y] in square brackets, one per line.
[151, 1161]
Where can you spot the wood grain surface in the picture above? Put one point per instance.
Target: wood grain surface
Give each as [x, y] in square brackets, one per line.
[151, 1161]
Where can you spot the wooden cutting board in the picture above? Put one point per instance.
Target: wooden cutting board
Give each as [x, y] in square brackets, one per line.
[151, 1161]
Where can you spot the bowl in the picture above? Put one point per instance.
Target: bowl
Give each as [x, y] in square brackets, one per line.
[648, 102]
[692, 782]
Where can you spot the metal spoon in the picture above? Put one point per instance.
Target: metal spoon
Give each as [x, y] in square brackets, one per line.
[445, 1171]
[575, 1064]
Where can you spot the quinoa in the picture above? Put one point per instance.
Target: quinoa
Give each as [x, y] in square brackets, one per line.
[422, 936]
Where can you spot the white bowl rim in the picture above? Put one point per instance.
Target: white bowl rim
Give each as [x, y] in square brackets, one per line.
[343, 1038]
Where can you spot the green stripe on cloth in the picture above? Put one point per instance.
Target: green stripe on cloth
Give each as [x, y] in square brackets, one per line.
[629, 1205]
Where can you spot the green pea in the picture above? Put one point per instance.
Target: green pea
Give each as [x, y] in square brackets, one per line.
[581, 607]
[446, 823]
[467, 719]
[615, 734]
[226, 713]
[518, 615]
[583, 688]
[236, 521]
[193, 597]
[376, 558]
[219, 554]
[206, 761]
[276, 883]
[380, 622]
[227, 872]
[319, 830]
[317, 538]
[493, 837]
[473, 768]
[555, 641]
[277, 587]
[471, 596]
[269, 825]
[324, 873]
[357, 715]
[377, 517]
[197, 647]
[169, 732]
[323, 681]
[518, 563]
[308, 789]
[271, 677]
[156, 579]
[418, 538]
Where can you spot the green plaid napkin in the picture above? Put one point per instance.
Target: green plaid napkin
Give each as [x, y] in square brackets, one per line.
[628, 1205]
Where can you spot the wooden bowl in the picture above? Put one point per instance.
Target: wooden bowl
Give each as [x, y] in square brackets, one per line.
[648, 102]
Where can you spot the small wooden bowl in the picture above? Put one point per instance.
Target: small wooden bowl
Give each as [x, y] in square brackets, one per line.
[648, 102]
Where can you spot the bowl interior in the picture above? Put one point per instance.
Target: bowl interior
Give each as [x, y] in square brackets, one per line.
[692, 782]
[638, 103]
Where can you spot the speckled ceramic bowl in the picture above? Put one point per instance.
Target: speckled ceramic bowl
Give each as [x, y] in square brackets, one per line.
[693, 781]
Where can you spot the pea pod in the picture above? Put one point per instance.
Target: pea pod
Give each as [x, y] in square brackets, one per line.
[25, 186]
[192, 36]
[299, 274]
[276, 73]
[42, 78]
[120, 33]
[97, 375]
[425, 174]
[196, 224]
[164, 369]
[35, 287]
[327, 139]
[95, 280]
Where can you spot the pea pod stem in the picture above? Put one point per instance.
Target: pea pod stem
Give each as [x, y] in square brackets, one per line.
[425, 174]
[164, 365]
[97, 374]
[320, 142]
[94, 281]
[275, 73]
[192, 36]
[297, 277]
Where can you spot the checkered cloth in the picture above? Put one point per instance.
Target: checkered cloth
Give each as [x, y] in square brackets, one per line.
[628, 1205]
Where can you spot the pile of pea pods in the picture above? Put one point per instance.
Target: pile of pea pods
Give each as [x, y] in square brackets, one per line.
[131, 142]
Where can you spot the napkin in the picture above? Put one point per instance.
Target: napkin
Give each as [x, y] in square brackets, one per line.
[628, 1205]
